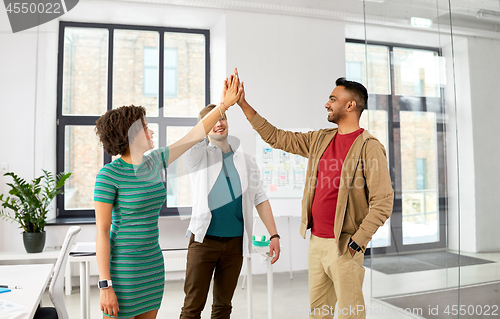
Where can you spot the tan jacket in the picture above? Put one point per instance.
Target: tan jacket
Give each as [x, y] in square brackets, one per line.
[365, 196]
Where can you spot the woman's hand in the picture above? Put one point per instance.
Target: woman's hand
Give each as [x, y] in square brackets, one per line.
[224, 89]
[109, 302]
[232, 89]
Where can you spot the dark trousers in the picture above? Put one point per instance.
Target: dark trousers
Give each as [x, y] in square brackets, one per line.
[225, 256]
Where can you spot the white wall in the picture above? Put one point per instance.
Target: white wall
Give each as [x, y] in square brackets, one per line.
[18, 58]
[478, 90]
[461, 181]
[484, 72]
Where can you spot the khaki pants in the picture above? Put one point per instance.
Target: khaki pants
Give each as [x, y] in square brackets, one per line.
[335, 279]
[223, 259]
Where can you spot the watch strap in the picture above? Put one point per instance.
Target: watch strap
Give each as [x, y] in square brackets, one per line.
[354, 246]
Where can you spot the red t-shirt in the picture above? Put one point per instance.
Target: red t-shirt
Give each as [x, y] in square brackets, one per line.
[327, 186]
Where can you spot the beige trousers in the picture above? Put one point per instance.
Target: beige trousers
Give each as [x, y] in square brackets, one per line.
[334, 278]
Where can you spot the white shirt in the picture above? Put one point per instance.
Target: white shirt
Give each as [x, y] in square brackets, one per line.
[204, 161]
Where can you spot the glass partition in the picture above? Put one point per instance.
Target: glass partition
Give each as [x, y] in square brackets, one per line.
[416, 59]
[415, 258]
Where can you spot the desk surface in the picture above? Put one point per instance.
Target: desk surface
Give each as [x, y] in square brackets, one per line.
[12, 256]
[33, 279]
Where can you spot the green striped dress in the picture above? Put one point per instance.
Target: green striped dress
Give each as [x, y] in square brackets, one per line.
[137, 194]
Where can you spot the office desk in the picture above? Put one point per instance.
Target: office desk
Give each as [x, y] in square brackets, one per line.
[46, 256]
[33, 279]
[51, 256]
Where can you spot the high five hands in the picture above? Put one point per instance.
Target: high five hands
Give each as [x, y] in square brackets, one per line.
[232, 90]
[231, 83]
[245, 107]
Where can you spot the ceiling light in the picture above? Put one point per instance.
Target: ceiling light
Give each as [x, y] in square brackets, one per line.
[421, 22]
[485, 14]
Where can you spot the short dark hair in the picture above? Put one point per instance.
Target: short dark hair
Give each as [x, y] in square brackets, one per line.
[358, 90]
[113, 128]
[204, 111]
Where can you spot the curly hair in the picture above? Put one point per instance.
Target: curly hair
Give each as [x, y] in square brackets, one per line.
[114, 127]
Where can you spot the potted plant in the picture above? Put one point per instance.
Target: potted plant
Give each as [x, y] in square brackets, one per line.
[29, 203]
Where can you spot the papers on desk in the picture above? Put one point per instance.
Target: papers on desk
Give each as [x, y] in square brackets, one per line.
[8, 306]
[83, 249]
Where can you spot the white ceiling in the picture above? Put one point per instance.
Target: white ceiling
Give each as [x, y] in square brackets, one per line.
[347, 5]
[463, 11]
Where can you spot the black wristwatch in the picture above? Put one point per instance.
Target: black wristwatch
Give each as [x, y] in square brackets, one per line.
[354, 246]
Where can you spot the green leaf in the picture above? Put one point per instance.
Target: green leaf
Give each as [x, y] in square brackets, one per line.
[29, 201]
[62, 179]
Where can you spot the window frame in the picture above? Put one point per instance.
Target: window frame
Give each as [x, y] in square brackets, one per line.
[89, 120]
[394, 153]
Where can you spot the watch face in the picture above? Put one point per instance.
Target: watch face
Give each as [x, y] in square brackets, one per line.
[354, 246]
[103, 284]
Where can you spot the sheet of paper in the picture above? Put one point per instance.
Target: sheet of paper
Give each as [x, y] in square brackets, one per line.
[8, 306]
[83, 249]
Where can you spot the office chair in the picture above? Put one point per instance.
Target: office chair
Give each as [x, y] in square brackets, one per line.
[56, 288]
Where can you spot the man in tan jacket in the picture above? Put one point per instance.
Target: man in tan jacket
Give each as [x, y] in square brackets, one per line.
[347, 196]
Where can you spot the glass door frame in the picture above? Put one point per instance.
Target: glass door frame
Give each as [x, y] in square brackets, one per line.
[393, 107]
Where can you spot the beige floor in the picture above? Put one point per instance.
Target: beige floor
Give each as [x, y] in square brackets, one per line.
[291, 296]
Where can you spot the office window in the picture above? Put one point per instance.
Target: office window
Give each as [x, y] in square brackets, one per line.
[84, 74]
[170, 73]
[421, 171]
[370, 66]
[405, 112]
[104, 66]
[151, 72]
[416, 72]
[179, 193]
[354, 71]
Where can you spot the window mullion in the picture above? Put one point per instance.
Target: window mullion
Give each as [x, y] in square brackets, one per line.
[110, 68]
[107, 158]
[161, 55]
[207, 68]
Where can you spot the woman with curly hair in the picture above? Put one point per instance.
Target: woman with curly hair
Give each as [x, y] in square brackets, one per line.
[128, 195]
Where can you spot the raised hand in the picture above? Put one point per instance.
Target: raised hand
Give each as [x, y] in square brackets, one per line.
[242, 100]
[233, 89]
[224, 89]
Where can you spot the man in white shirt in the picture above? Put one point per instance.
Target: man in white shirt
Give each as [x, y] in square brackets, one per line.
[227, 186]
